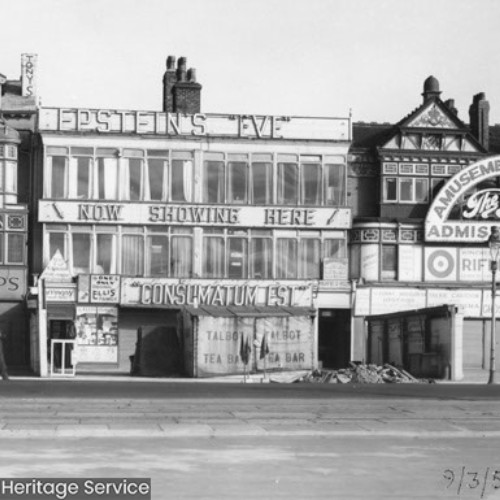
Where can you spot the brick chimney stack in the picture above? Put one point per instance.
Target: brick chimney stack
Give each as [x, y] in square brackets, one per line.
[479, 112]
[181, 92]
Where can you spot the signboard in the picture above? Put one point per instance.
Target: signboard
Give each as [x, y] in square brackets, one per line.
[12, 283]
[96, 334]
[219, 342]
[60, 293]
[196, 215]
[57, 270]
[467, 301]
[160, 292]
[105, 288]
[387, 300]
[335, 273]
[470, 302]
[196, 125]
[472, 221]
[29, 63]
[440, 264]
[410, 263]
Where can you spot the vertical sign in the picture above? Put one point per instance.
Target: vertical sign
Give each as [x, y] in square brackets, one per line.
[28, 74]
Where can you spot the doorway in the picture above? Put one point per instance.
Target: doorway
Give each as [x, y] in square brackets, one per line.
[60, 337]
[334, 338]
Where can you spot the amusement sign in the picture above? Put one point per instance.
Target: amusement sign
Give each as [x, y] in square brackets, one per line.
[460, 214]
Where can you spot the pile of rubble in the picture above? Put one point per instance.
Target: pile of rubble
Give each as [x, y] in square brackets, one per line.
[357, 373]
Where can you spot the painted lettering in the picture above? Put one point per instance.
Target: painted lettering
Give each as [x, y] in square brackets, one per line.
[98, 212]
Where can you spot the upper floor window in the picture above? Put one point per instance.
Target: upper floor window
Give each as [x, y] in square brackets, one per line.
[406, 190]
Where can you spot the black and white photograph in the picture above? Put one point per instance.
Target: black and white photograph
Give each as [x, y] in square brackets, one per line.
[249, 249]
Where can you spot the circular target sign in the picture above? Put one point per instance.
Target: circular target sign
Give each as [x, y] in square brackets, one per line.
[440, 264]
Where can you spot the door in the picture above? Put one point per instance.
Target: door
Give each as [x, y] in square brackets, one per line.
[334, 338]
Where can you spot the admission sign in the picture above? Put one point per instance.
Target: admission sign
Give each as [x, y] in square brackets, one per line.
[465, 210]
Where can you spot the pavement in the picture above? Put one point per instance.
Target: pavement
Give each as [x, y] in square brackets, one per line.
[100, 406]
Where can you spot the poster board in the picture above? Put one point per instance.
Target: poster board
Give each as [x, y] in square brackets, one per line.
[96, 331]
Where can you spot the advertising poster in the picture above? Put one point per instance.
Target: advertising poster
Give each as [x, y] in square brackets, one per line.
[96, 334]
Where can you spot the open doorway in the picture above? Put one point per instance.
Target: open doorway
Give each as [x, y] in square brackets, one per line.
[60, 339]
[334, 338]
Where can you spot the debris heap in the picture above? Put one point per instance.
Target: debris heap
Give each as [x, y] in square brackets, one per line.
[362, 374]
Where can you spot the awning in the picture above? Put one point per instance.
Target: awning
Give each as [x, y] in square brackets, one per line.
[250, 311]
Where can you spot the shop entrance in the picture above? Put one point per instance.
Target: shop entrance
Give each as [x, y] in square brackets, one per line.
[60, 345]
[158, 352]
[334, 338]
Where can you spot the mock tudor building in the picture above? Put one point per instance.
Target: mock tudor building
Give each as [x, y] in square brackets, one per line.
[168, 240]
[424, 196]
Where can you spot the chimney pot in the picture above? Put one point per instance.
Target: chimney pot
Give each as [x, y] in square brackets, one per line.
[171, 62]
[191, 75]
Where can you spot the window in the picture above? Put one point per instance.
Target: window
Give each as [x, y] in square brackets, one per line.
[261, 184]
[335, 248]
[81, 253]
[157, 251]
[214, 179]
[131, 181]
[58, 166]
[105, 254]
[286, 264]
[287, 181]
[309, 258]
[132, 254]
[390, 189]
[107, 174]
[334, 184]
[389, 262]
[437, 184]
[15, 248]
[238, 257]
[213, 256]
[57, 241]
[310, 178]
[237, 179]
[261, 255]
[406, 189]
[181, 251]
[182, 177]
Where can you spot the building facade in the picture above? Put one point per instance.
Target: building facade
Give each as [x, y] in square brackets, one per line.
[406, 181]
[18, 111]
[167, 240]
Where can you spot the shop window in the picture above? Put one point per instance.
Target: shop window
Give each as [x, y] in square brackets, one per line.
[261, 252]
[261, 185]
[237, 181]
[334, 185]
[132, 254]
[309, 258]
[182, 177]
[213, 256]
[310, 178]
[286, 263]
[15, 249]
[389, 262]
[288, 183]
[81, 253]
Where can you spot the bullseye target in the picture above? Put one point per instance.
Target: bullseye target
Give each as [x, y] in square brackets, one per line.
[441, 264]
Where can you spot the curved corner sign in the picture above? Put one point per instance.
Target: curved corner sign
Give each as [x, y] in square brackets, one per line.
[480, 212]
